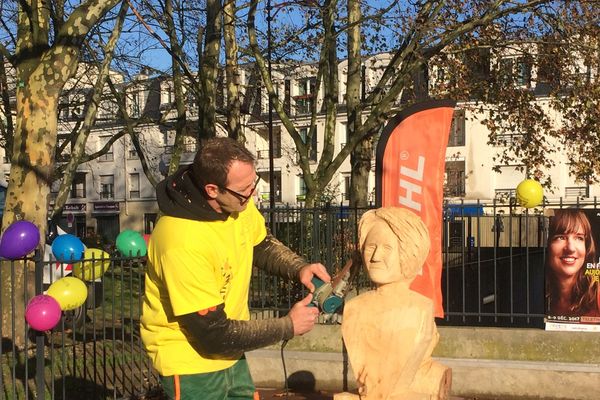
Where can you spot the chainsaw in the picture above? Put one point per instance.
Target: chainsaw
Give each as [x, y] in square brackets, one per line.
[329, 297]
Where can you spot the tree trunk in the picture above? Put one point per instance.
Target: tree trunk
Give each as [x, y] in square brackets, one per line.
[232, 73]
[209, 69]
[42, 71]
[28, 186]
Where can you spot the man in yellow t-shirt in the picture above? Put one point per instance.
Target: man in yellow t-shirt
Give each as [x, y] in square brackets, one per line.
[195, 319]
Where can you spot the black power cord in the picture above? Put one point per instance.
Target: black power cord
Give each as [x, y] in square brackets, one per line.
[285, 377]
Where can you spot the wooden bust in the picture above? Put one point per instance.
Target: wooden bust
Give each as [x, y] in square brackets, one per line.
[390, 332]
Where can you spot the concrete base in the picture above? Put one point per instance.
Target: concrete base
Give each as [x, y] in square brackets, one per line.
[486, 363]
[470, 377]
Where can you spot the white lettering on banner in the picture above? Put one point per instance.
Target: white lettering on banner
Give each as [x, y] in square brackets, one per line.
[411, 187]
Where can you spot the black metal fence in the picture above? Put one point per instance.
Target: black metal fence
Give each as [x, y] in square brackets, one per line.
[95, 351]
[493, 257]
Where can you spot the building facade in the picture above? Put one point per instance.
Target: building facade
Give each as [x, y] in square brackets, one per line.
[112, 192]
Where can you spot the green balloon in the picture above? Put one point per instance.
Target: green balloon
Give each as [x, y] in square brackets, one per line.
[131, 243]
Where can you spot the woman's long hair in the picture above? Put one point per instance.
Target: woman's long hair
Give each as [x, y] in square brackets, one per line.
[584, 296]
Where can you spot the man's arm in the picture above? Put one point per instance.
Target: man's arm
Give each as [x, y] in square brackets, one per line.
[214, 335]
[276, 258]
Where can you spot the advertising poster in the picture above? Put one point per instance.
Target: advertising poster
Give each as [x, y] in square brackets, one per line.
[409, 173]
[572, 270]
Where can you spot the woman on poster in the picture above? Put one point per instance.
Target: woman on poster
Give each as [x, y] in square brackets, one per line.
[569, 290]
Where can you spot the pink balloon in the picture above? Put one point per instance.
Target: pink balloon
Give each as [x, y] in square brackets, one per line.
[42, 312]
[146, 238]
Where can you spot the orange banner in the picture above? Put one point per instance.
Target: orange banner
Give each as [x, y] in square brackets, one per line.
[410, 163]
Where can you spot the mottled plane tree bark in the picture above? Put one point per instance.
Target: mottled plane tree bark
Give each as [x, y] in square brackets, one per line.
[360, 158]
[209, 67]
[44, 61]
[77, 154]
[232, 73]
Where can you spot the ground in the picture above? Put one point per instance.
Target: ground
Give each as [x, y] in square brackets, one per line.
[278, 394]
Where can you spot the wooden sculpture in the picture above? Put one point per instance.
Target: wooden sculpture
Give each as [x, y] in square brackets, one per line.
[390, 332]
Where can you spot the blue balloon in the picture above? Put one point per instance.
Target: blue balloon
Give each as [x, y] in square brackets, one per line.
[67, 248]
[19, 239]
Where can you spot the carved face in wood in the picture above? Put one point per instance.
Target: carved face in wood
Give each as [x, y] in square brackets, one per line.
[394, 243]
[381, 255]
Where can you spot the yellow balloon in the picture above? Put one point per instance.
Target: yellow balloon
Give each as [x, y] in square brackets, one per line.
[95, 264]
[530, 193]
[69, 291]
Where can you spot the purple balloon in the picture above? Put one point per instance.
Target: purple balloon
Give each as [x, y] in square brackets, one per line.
[19, 239]
[42, 312]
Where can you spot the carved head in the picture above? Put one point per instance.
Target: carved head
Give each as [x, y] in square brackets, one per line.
[394, 243]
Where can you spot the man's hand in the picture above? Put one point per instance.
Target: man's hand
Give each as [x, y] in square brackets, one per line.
[308, 271]
[303, 316]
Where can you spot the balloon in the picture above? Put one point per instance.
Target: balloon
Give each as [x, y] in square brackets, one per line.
[69, 291]
[131, 244]
[19, 239]
[42, 312]
[67, 248]
[530, 193]
[95, 263]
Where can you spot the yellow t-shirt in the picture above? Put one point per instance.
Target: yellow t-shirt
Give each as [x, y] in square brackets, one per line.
[194, 265]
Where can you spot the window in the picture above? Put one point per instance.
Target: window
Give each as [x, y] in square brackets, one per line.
[190, 144]
[504, 195]
[455, 234]
[523, 71]
[54, 187]
[108, 109]
[257, 102]
[277, 142]
[167, 96]
[575, 192]
[136, 107]
[347, 182]
[345, 134]
[149, 222]
[78, 186]
[301, 196]
[64, 145]
[134, 186]
[107, 186]
[478, 63]
[304, 99]
[287, 85]
[549, 75]
[264, 176]
[63, 110]
[508, 177]
[132, 153]
[515, 71]
[440, 76]
[508, 138]
[457, 129]
[304, 131]
[455, 178]
[108, 156]
[192, 104]
[263, 154]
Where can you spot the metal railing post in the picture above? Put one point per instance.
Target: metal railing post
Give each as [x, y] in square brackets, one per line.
[39, 336]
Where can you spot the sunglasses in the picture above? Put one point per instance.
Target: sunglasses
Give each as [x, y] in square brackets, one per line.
[241, 197]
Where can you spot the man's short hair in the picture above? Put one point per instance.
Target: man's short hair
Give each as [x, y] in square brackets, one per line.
[213, 159]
